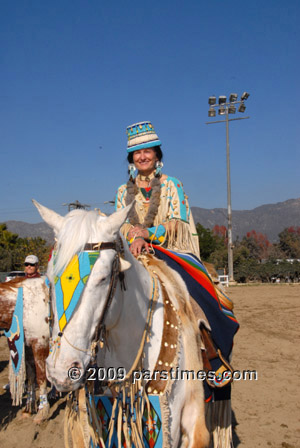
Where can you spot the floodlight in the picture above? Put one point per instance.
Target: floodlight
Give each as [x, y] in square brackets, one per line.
[222, 99]
[245, 96]
[212, 100]
[233, 97]
[211, 112]
[222, 110]
[242, 107]
[231, 109]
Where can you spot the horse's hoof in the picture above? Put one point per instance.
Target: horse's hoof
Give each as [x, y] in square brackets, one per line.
[42, 414]
[25, 414]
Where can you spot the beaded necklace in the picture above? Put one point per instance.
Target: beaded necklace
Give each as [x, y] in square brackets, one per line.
[154, 200]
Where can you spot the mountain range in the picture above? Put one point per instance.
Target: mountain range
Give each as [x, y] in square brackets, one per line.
[269, 219]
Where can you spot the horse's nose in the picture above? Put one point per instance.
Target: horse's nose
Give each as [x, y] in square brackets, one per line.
[76, 371]
[65, 376]
[63, 382]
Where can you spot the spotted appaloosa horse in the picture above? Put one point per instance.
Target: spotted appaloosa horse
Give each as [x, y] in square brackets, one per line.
[36, 335]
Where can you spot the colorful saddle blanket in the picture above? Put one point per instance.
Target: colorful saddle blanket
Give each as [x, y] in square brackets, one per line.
[200, 286]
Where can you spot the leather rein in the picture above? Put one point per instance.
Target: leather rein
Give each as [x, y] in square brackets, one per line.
[100, 330]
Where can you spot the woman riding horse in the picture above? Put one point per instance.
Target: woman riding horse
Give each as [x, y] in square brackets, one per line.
[162, 220]
[162, 214]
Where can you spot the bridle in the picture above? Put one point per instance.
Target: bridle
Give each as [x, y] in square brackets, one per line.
[99, 338]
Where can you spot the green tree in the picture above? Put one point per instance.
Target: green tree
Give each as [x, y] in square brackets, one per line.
[207, 242]
[213, 245]
[289, 242]
[247, 270]
[8, 241]
[258, 245]
[245, 260]
[275, 253]
[219, 258]
[254, 257]
[14, 249]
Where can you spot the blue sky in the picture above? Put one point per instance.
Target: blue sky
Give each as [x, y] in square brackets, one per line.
[74, 74]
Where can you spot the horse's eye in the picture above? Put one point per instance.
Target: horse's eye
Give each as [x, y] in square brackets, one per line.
[102, 280]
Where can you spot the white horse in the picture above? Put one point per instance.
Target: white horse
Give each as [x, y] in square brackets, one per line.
[124, 313]
[36, 338]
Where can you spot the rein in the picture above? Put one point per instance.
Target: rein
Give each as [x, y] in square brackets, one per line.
[102, 246]
[100, 331]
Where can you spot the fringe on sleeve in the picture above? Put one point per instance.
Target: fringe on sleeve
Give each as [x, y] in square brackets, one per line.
[179, 237]
[125, 228]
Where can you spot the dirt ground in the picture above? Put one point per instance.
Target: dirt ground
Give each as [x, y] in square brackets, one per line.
[265, 411]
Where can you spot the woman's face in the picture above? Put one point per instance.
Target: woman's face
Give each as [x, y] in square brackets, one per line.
[144, 160]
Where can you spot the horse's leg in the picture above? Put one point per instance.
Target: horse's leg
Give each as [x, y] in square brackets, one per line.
[30, 407]
[193, 427]
[40, 353]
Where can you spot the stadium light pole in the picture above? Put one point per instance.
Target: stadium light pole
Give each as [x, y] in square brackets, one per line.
[225, 107]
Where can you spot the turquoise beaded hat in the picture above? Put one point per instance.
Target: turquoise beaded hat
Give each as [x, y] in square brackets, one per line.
[141, 135]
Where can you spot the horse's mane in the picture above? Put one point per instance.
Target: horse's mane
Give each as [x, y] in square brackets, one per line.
[15, 282]
[212, 271]
[79, 226]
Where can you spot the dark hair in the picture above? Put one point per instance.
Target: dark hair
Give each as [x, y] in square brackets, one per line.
[157, 150]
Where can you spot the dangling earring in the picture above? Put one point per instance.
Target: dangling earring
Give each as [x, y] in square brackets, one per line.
[158, 168]
[132, 170]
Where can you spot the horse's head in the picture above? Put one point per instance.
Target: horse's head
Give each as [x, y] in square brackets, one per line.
[83, 274]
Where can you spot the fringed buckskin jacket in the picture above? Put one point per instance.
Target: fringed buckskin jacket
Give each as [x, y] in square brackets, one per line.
[173, 212]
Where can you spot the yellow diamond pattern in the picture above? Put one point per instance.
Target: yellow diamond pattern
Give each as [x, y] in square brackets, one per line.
[62, 322]
[69, 280]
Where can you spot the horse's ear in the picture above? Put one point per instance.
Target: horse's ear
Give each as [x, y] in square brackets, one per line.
[52, 218]
[117, 219]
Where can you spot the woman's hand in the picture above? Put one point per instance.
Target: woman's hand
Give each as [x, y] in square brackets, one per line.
[138, 245]
[137, 231]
